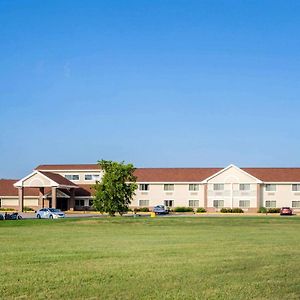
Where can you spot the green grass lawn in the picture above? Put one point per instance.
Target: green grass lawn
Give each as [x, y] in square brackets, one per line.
[143, 258]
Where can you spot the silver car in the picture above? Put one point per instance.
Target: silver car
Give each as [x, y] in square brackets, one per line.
[50, 213]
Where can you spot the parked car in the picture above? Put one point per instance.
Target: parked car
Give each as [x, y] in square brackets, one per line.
[13, 216]
[286, 211]
[161, 210]
[50, 213]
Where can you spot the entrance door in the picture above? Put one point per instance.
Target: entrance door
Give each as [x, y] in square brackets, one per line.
[62, 203]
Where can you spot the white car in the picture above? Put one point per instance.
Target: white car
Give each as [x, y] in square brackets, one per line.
[50, 213]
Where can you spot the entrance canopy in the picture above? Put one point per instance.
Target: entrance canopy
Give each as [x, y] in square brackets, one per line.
[49, 180]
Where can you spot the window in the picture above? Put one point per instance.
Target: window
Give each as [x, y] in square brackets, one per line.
[218, 203]
[169, 187]
[218, 187]
[270, 187]
[144, 187]
[169, 203]
[244, 203]
[244, 187]
[72, 177]
[79, 202]
[91, 177]
[193, 203]
[0, 203]
[90, 202]
[193, 187]
[271, 203]
[296, 204]
[295, 187]
[143, 202]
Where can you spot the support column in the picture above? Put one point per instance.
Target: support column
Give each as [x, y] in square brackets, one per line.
[41, 197]
[72, 199]
[205, 195]
[53, 194]
[258, 204]
[21, 198]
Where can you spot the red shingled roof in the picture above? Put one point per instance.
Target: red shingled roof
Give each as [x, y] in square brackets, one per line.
[275, 174]
[58, 178]
[174, 174]
[68, 167]
[7, 189]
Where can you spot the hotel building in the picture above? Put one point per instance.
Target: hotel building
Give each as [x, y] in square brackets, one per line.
[70, 187]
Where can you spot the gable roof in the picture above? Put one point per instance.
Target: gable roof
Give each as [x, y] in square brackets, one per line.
[58, 179]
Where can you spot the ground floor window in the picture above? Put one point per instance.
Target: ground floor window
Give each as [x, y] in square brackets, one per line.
[271, 203]
[193, 203]
[90, 202]
[169, 203]
[244, 203]
[296, 204]
[79, 202]
[143, 202]
[218, 203]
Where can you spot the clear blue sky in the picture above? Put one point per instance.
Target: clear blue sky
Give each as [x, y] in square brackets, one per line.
[156, 83]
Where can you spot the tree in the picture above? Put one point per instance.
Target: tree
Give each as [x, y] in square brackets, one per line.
[114, 192]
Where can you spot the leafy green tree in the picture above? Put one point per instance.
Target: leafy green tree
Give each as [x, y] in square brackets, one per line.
[114, 192]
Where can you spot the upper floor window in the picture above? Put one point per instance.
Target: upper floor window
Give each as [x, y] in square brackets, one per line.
[91, 177]
[295, 187]
[218, 187]
[244, 187]
[193, 187]
[72, 176]
[169, 187]
[144, 187]
[270, 187]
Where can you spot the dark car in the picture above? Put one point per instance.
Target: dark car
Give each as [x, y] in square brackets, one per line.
[161, 210]
[286, 211]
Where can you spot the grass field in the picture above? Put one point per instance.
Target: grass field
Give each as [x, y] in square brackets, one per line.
[161, 258]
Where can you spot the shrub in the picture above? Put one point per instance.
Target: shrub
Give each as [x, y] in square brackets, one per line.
[6, 209]
[274, 210]
[236, 210]
[262, 210]
[144, 209]
[201, 210]
[26, 208]
[183, 209]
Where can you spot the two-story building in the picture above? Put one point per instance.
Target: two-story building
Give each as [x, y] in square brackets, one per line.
[70, 187]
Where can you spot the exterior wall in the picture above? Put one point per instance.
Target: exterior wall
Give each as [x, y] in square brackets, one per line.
[283, 195]
[13, 202]
[81, 174]
[232, 195]
[181, 195]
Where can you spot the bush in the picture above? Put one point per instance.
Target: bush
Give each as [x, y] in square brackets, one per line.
[235, 210]
[262, 210]
[274, 210]
[144, 209]
[183, 209]
[26, 208]
[201, 210]
[6, 209]
[141, 209]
